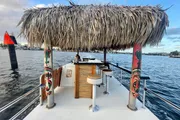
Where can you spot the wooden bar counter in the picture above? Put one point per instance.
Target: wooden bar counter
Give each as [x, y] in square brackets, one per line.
[82, 70]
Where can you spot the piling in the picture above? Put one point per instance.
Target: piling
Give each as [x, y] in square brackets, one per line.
[10, 41]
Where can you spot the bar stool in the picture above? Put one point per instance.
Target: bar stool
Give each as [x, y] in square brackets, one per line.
[99, 68]
[102, 75]
[94, 80]
[108, 73]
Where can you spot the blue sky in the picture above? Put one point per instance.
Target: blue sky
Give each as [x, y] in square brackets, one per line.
[170, 41]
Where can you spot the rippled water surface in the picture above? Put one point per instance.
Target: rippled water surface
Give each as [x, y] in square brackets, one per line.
[163, 71]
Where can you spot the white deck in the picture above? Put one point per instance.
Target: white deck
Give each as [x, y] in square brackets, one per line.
[112, 107]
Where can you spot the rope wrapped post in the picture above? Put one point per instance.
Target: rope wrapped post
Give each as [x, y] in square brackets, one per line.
[135, 77]
[48, 70]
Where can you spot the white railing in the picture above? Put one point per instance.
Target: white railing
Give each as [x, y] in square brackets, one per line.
[18, 99]
[24, 109]
[145, 89]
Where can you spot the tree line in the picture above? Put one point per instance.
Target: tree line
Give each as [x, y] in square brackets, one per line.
[175, 53]
[2, 45]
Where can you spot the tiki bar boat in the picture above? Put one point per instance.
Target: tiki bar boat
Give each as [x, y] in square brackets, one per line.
[88, 89]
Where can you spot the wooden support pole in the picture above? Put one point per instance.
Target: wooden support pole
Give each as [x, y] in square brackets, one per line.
[105, 55]
[48, 69]
[135, 77]
[78, 51]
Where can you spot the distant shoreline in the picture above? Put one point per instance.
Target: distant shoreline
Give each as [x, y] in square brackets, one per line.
[174, 56]
[112, 52]
[152, 54]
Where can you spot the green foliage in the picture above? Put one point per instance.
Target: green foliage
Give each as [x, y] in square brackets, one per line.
[2, 45]
[175, 53]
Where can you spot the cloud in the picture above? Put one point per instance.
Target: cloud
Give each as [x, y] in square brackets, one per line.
[13, 4]
[40, 5]
[173, 31]
[174, 38]
[161, 45]
[158, 47]
[173, 34]
[45, 5]
[11, 12]
[176, 41]
[177, 47]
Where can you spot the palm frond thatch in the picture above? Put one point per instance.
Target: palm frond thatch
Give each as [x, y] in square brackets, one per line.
[94, 26]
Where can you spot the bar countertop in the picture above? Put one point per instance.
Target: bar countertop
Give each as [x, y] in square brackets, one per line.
[89, 62]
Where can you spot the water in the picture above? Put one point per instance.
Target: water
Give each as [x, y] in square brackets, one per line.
[164, 73]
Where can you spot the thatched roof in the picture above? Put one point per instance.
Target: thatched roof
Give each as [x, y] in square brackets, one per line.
[94, 26]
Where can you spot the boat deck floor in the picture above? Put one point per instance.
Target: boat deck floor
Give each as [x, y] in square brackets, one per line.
[112, 107]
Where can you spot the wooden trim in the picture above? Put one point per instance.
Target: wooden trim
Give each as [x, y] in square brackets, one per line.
[81, 73]
[59, 76]
[54, 78]
[76, 88]
[93, 69]
[93, 72]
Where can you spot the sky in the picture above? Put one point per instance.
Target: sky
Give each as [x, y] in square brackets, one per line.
[11, 12]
